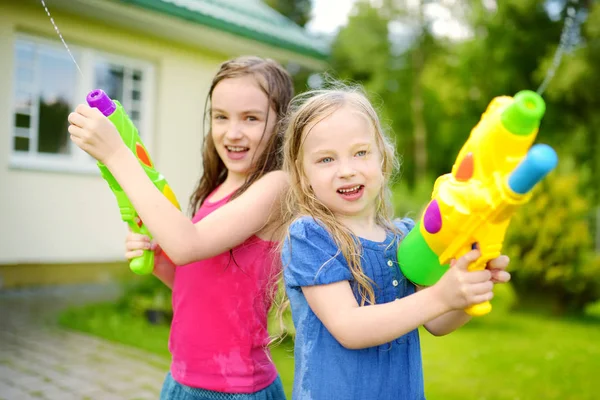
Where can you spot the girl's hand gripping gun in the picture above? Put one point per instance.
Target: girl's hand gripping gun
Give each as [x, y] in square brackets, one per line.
[114, 111]
[494, 173]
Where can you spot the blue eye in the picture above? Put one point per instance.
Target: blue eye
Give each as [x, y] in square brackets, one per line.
[362, 153]
[325, 160]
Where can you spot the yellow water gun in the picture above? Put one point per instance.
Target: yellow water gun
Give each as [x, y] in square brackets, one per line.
[493, 175]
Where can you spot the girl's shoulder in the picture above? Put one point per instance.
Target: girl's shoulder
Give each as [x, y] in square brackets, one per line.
[309, 229]
[310, 256]
[404, 225]
[271, 185]
[278, 177]
[306, 226]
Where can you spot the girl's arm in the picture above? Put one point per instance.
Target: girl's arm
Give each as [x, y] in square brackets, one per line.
[451, 321]
[446, 323]
[357, 327]
[220, 231]
[183, 241]
[164, 269]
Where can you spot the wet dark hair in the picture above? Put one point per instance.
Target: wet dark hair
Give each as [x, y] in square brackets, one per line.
[277, 84]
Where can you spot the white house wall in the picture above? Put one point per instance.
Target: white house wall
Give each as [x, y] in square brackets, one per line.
[48, 217]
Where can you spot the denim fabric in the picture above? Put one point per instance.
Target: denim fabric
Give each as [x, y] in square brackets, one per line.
[172, 390]
[324, 369]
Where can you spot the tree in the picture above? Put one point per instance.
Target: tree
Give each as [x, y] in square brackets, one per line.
[296, 10]
[367, 51]
[574, 91]
[510, 49]
[360, 52]
[557, 268]
[411, 13]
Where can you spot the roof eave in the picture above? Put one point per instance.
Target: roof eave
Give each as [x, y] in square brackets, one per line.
[238, 30]
[120, 15]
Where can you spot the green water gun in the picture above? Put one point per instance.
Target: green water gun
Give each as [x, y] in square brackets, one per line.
[115, 112]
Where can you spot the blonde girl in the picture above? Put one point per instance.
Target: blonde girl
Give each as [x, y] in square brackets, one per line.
[356, 316]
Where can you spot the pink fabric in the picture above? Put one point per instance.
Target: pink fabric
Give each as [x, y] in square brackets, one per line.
[219, 331]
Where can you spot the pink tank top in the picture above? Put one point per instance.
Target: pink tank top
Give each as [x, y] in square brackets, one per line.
[219, 331]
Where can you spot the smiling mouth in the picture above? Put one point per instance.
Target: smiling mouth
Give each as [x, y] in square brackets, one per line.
[350, 190]
[236, 149]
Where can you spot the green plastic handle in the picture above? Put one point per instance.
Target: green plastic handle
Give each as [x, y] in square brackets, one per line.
[115, 112]
[144, 264]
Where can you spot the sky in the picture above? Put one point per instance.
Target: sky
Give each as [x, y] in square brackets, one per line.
[329, 15]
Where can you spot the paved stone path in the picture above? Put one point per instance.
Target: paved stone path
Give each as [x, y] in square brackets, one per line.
[40, 361]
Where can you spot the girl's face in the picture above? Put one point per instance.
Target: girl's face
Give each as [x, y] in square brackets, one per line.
[238, 120]
[342, 163]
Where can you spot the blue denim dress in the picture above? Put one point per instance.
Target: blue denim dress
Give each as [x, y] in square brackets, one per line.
[324, 369]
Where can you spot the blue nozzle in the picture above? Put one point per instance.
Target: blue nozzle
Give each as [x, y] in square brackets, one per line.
[539, 161]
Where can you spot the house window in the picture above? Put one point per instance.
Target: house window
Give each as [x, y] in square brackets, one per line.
[48, 86]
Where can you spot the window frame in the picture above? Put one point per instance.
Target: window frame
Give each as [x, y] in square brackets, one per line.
[77, 161]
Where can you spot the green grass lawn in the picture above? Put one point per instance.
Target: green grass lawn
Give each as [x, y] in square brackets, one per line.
[500, 356]
[512, 356]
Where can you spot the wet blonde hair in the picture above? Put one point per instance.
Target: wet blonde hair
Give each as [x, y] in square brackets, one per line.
[307, 110]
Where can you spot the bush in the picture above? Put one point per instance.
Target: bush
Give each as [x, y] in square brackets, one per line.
[410, 202]
[554, 265]
[147, 296]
